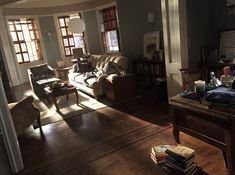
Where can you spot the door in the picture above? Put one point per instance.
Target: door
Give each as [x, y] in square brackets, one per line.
[8, 133]
[175, 42]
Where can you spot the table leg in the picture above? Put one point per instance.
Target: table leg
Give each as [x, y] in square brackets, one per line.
[56, 105]
[67, 96]
[76, 93]
[230, 144]
[175, 127]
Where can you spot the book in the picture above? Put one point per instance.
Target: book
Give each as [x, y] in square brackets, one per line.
[172, 171]
[180, 151]
[187, 170]
[158, 161]
[158, 154]
[180, 163]
[159, 151]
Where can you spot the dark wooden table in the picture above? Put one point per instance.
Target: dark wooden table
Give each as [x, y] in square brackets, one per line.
[213, 126]
[61, 92]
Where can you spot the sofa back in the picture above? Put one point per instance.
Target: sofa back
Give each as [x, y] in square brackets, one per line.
[101, 61]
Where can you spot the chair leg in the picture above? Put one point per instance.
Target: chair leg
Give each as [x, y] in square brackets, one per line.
[39, 124]
[225, 159]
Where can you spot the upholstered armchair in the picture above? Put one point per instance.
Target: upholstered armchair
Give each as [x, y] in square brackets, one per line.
[40, 72]
[24, 113]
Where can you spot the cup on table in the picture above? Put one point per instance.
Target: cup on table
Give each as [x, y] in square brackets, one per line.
[200, 89]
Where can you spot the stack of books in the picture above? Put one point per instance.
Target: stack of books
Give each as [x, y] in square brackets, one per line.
[181, 159]
[158, 154]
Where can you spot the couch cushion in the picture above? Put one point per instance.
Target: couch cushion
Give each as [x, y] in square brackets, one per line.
[109, 68]
[41, 69]
[73, 75]
[44, 76]
[88, 80]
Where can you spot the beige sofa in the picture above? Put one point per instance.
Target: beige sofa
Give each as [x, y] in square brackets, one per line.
[92, 81]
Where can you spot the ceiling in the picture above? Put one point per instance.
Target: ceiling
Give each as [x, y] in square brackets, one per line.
[47, 7]
[39, 3]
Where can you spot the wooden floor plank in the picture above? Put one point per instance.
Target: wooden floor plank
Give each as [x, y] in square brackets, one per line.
[112, 140]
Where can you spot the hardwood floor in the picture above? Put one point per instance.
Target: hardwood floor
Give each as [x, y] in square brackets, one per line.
[113, 140]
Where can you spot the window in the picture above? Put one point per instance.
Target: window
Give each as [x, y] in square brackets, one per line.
[110, 30]
[70, 40]
[25, 39]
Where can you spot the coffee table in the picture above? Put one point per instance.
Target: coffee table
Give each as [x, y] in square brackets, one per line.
[41, 84]
[61, 92]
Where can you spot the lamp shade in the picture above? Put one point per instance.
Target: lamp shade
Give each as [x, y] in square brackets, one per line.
[76, 25]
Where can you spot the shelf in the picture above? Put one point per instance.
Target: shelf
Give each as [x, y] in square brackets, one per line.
[150, 72]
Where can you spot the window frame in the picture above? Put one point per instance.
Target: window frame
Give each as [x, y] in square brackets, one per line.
[107, 26]
[68, 36]
[36, 38]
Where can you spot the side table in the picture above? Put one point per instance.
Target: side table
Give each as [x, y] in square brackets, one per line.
[61, 92]
[63, 72]
[121, 87]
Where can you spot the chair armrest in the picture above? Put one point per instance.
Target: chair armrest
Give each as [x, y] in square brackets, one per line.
[23, 113]
[52, 71]
[102, 77]
[30, 74]
[111, 77]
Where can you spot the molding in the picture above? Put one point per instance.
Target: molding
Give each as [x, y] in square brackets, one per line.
[4, 2]
[55, 9]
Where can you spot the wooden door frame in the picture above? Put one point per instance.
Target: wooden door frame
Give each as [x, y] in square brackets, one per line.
[179, 49]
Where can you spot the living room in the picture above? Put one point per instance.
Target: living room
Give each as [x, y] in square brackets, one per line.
[134, 21]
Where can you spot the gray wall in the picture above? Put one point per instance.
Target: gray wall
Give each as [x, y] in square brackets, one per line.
[221, 20]
[206, 19]
[93, 34]
[51, 44]
[199, 28]
[133, 23]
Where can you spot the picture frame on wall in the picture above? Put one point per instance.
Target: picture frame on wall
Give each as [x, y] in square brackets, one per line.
[151, 44]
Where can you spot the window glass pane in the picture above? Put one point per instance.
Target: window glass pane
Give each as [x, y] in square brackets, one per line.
[112, 41]
[61, 21]
[32, 35]
[20, 35]
[30, 26]
[67, 51]
[63, 31]
[71, 49]
[71, 43]
[18, 27]
[36, 45]
[23, 47]
[66, 43]
[26, 57]
[30, 50]
[66, 21]
[14, 37]
[11, 27]
[19, 58]
[33, 47]
[78, 42]
[17, 48]
[26, 33]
